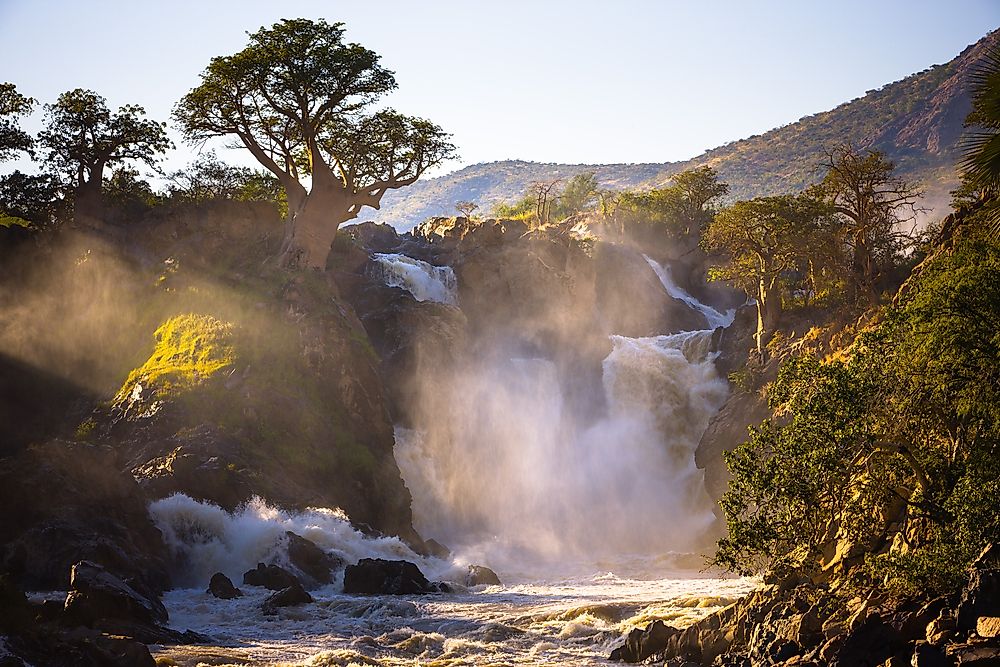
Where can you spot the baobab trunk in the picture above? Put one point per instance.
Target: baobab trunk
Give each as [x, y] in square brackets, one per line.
[768, 314]
[313, 228]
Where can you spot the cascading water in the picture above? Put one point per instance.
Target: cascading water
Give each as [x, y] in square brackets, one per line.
[515, 480]
[424, 281]
[580, 514]
[714, 317]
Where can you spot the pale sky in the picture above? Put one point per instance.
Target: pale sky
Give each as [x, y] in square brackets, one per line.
[556, 81]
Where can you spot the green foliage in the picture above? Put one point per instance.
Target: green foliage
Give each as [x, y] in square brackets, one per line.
[13, 105]
[208, 178]
[892, 451]
[189, 349]
[36, 199]
[981, 150]
[83, 136]
[763, 240]
[579, 194]
[129, 192]
[522, 209]
[682, 209]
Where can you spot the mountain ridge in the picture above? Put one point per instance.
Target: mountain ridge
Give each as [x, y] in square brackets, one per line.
[917, 121]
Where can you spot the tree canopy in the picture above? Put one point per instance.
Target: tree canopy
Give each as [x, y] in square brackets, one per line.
[298, 98]
[13, 105]
[891, 452]
[83, 137]
[759, 241]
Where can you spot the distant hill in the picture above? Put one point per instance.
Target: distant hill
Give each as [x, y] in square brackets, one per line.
[916, 121]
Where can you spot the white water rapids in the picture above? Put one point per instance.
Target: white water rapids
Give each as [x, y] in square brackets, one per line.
[594, 522]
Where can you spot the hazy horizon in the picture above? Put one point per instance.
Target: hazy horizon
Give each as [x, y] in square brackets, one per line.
[565, 83]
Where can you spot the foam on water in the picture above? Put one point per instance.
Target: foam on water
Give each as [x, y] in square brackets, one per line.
[574, 622]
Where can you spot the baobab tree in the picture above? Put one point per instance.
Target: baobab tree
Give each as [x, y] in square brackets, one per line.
[83, 138]
[297, 97]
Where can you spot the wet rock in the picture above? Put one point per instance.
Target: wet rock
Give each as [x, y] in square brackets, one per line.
[286, 597]
[480, 575]
[97, 594]
[643, 643]
[311, 560]
[271, 577]
[434, 548]
[222, 587]
[375, 576]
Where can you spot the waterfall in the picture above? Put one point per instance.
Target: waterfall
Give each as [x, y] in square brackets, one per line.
[424, 281]
[714, 317]
[507, 475]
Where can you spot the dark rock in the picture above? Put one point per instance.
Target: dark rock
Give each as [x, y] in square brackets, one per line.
[979, 654]
[81, 647]
[868, 645]
[435, 549]
[222, 587]
[375, 576]
[928, 655]
[62, 502]
[981, 595]
[480, 575]
[312, 561]
[643, 643]
[286, 597]
[271, 577]
[97, 594]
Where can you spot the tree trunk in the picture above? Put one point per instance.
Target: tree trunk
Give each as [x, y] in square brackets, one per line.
[864, 270]
[88, 204]
[768, 314]
[312, 229]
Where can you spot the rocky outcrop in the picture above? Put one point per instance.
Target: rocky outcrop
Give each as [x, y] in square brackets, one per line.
[62, 502]
[96, 594]
[631, 299]
[800, 623]
[271, 577]
[375, 576]
[310, 560]
[222, 587]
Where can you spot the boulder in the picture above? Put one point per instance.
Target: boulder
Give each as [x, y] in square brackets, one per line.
[988, 627]
[222, 587]
[643, 643]
[375, 576]
[97, 594]
[310, 560]
[271, 577]
[434, 548]
[928, 655]
[480, 575]
[286, 597]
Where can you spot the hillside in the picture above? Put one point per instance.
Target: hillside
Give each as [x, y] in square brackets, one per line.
[917, 121]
